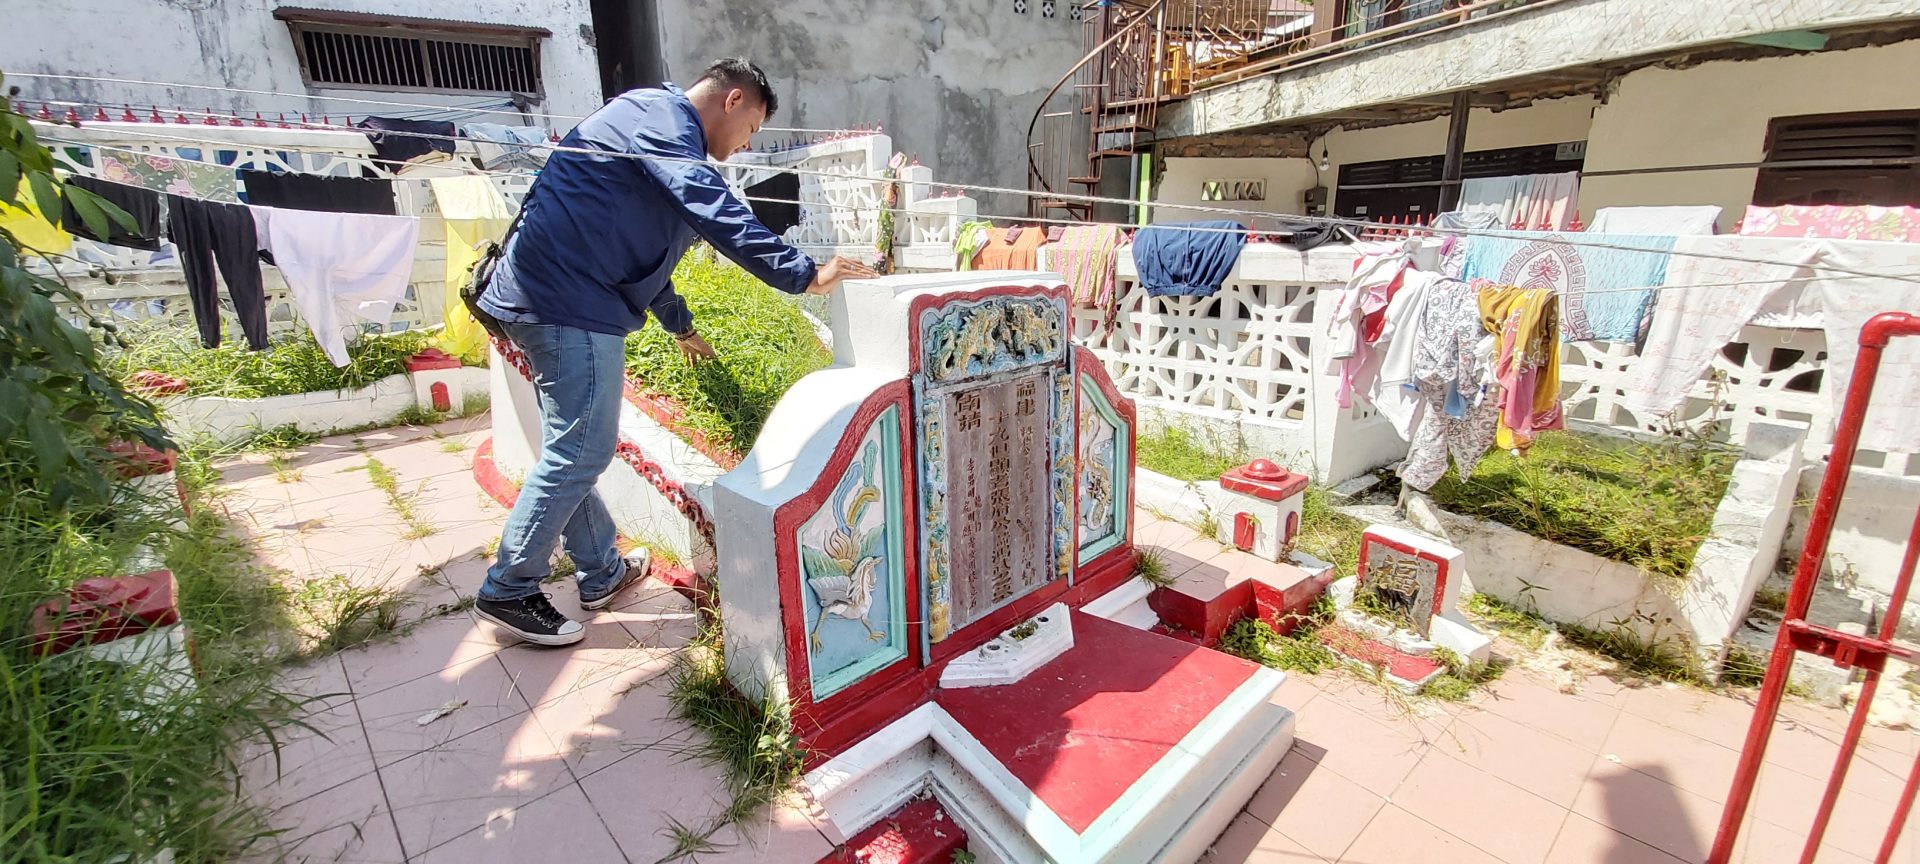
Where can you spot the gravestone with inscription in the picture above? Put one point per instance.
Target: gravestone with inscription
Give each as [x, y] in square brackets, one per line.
[904, 557]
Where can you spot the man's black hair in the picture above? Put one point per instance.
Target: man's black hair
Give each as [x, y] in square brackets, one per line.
[738, 74]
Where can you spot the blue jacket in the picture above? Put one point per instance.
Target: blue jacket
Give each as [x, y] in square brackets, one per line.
[600, 235]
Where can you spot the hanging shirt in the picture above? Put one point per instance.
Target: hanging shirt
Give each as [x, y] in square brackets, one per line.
[290, 191]
[396, 149]
[601, 235]
[778, 201]
[968, 241]
[1011, 249]
[1180, 263]
[142, 204]
[475, 213]
[345, 270]
[169, 175]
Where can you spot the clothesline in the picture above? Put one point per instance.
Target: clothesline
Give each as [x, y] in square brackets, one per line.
[346, 99]
[1246, 214]
[1021, 220]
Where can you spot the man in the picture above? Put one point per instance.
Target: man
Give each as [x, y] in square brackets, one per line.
[592, 258]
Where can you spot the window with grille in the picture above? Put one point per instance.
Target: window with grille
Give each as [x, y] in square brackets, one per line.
[1842, 159]
[377, 52]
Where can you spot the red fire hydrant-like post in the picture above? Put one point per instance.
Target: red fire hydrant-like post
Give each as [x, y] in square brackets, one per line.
[1264, 502]
[437, 383]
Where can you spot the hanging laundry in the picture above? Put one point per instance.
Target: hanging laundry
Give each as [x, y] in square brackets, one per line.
[1391, 388]
[968, 241]
[30, 227]
[509, 147]
[1359, 314]
[142, 204]
[1607, 292]
[779, 206]
[343, 269]
[1007, 250]
[209, 233]
[1451, 369]
[1525, 323]
[1889, 224]
[1541, 202]
[1175, 261]
[396, 149]
[170, 176]
[1655, 220]
[1453, 247]
[475, 213]
[318, 192]
[1304, 235]
[1085, 258]
[1846, 305]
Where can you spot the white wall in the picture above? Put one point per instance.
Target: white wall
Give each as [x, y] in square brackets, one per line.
[1181, 184]
[1718, 113]
[238, 43]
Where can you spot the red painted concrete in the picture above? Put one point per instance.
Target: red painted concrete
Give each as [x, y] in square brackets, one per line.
[492, 481]
[919, 833]
[1264, 480]
[1082, 729]
[97, 611]
[1284, 603]
[1399, 664]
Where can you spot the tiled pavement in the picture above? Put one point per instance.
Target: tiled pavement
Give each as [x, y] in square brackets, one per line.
[574, 755]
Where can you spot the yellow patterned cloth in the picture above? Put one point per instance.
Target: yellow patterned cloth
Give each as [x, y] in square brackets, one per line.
[1525, 323]
[29, 227]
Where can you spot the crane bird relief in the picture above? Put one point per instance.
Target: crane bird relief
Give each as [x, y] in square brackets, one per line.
[846, 556]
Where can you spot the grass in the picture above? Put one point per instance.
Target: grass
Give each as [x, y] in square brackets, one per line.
[1299, 651]
[401, 503]
[1647, 504]
[340, 615]
[291, 364]
[1617, 641]
[765, 345]
[1151, 565]
[1175, 451]
[453, 445]
[1328, 534]
[751, 739]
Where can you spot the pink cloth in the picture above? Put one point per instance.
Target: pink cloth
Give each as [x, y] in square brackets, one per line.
[1887, 224]
[1084, 258]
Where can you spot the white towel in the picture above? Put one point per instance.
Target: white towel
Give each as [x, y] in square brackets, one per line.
[344, 269]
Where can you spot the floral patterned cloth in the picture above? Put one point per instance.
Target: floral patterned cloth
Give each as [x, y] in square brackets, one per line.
[1450, 369]
[1892, 224]
[169, 175]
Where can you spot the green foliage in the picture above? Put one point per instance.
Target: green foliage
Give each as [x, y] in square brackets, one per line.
[764, 343]
[340, 615]
[1618, 642]
[1176, 452]
[291, 364]
[1151, 565]
[1647, 504]
[752, 739]
[58, 404]
[1327, 534]
[1300, 652]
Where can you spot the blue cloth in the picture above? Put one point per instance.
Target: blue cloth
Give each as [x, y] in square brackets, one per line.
[1179, 263]
[600, 236]
[1597, 300]
[578, 376]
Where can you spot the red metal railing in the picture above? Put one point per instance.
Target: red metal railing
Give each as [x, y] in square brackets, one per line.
[1867, 653]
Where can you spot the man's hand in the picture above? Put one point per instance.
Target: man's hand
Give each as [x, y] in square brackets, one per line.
[694, 348]
[830, 275]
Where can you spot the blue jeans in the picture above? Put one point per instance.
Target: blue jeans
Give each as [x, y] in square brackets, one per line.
[579, 375]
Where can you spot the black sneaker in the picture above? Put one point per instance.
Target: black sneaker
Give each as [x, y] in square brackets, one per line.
[638, 564]
[531, 618]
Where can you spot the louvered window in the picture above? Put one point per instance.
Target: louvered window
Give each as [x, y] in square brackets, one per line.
[373, 52]
[1843, 159]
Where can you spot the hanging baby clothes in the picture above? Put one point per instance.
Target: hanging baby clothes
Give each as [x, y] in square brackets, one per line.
[775, 201]
[1391, 390]
[207, 233]
[509, 147]
[1457, 417]
[1084, 258]
[169, 175]
[1011, 249]
[31, 229]
[141, 204]
[475, 213]
[1606, 281]
[342, 268]
[1526, 324]
[1359, 313]
[968, 240]
[1174, 261]
[317, 192]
